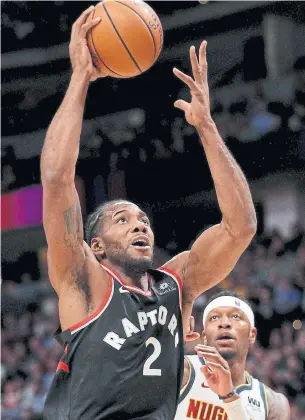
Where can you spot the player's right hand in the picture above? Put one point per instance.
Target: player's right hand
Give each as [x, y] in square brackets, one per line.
[80, 56]
[216, 370]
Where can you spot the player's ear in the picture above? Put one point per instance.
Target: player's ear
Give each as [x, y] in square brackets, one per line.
[204, 338]
[97, 247]
[252, 336]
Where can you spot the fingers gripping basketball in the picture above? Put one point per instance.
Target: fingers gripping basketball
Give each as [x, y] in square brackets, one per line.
[128, 39]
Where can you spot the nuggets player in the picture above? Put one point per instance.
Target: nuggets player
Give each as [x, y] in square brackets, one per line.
[121, 322]
[215, 384]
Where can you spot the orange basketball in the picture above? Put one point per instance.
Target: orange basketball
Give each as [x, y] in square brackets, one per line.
[128, 39]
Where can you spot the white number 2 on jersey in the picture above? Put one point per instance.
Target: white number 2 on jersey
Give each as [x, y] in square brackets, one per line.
[147, 371]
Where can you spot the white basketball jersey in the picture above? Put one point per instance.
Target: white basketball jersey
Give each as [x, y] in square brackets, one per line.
[198, 401]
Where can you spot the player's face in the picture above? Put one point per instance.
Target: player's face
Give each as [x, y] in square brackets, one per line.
[228, 329]
[127, 237]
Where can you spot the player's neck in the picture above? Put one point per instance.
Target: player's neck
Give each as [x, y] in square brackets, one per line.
[131, 277]
[238, 372]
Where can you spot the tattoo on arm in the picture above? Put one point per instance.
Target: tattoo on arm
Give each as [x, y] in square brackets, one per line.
[72, 235]
[184, 271]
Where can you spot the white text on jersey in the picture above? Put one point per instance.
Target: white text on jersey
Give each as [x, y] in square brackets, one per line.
[145, 319]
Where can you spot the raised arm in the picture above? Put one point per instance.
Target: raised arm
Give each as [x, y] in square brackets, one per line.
[62, 218]
[216, 251]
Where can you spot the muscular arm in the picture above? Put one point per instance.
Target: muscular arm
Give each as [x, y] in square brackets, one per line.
[216, 251]
[278, 406]
[62, 218]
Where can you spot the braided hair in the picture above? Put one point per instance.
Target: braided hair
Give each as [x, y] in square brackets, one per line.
[95, 220]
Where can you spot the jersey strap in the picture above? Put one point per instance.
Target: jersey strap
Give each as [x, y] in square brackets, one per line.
[245, 387]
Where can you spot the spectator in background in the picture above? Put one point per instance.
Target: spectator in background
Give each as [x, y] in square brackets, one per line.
[265, 309]
[238, 121]
[261, 121]
[297, 236]
[296, 413]
[299, 68]
[177, 135]
[116, 178]
[8, 156]
[286, 297]
[297, 120]
[276, 247]
[287, 333]
[301, 258]
[221, 119]
[299, 282]
[264, 315]
[8, 179]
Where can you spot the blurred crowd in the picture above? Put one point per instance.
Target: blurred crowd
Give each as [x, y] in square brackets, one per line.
[29, 356]
[271, 275]
[251, 118]
[252, 126]
[21, 22]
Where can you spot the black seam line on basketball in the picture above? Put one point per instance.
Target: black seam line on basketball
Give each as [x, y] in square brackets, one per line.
[98, 56]
[121, 39]
[155, 49]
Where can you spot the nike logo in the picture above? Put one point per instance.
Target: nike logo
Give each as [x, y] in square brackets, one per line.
[204, 385]
[123, 290]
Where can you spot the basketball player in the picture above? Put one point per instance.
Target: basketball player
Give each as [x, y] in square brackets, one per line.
[215, 383]
[121, 323]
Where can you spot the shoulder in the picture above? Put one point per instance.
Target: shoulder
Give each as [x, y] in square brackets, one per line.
[186, 373]
[187, 365]
[194, 360]
[278, 405]
[189, 376]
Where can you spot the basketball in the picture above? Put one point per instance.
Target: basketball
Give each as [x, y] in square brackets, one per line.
[127, 40]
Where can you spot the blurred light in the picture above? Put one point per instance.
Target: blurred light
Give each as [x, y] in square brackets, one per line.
[297, 324]
[136, 118]
[23, 208]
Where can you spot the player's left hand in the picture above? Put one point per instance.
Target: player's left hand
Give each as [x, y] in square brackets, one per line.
[198, 111]
[216, 370]
[191, 335]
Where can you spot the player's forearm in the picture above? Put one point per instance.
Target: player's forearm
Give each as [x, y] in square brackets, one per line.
[233, 193]
[61, 147]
